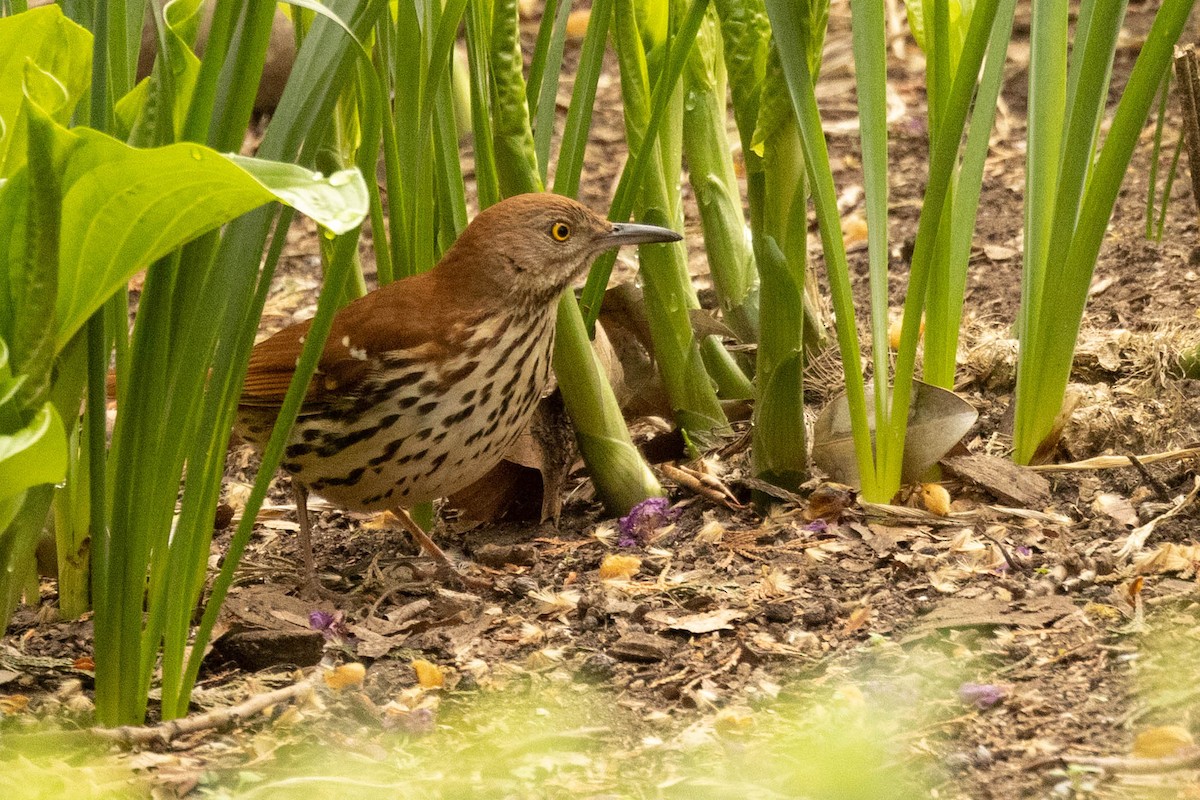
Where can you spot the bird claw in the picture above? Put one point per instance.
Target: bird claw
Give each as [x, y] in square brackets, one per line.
[450, 574]
[312, 589]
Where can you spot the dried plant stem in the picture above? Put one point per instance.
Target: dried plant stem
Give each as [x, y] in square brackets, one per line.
[216, 719]
[1187, 73]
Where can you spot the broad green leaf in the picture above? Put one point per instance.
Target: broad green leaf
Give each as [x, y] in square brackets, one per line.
[137, 112]
[34, 455]
[124, 208]
[9, 507]
[34, 283]
[960, 17]
[12, 222]
[337, 201]
[61, 49]
[747, 34]
[10, 419]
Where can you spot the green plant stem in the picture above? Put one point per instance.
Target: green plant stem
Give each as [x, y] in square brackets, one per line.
[711, 174]
[1045, 380]
[668, 291]
[621, 476]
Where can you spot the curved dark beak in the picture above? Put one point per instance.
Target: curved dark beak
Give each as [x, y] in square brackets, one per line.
[623, 233]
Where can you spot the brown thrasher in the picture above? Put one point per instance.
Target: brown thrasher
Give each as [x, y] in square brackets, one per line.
[424, 383]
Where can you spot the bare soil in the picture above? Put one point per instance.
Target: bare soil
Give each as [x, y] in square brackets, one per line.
[990, 650]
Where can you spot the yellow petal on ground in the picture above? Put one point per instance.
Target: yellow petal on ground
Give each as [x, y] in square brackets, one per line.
[346, 676]
[13, 703]
[619, 568]
[896, 326]
[733, 720]
[1161, 742]
[429, 675]
[854, 229]
[935, 499]
[577, 23]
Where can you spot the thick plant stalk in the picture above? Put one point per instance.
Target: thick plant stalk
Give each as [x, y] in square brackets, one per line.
[779, 448]
[746, 37]
[618, 470]
[780, 453]
[668, 290]
[621, 475]
[711, 173]
[516, 158]
[72, 509]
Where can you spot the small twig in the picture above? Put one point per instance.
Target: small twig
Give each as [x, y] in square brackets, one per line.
[209, 720]
[1187, 758]
[772, 490]
[1013, 566]
[1117, 462]
[1187, 85]
[704, 485]
[1155, 483]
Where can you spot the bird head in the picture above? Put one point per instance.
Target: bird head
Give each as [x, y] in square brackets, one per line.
[536, 245]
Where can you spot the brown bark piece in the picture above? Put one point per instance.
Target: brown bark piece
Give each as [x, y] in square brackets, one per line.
[1034, 612]
[643, 647]
[1011, 483]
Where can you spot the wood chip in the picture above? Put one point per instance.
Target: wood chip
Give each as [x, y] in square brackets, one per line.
[1034, 612]
[645, 648]
[706, 622]
[499, 555]
[1009, 482]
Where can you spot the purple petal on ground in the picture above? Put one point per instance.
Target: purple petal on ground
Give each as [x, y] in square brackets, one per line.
[643, 519]
[982, 695]
[419, 721]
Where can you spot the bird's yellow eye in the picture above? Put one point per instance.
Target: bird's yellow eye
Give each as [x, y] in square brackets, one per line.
[560, 231]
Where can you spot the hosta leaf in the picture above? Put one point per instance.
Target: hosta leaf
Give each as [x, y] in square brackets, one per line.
[138, 112]
[746, 32]
[937, 420]
[123, 208]
[59, 48]
[34, 455]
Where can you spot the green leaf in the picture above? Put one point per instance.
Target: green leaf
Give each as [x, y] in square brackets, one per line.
[337, 201]
[34, 284]
[10, 418]
[61, 49]
[747, 34]
[34, 455]
[137, 112]
[124, 208]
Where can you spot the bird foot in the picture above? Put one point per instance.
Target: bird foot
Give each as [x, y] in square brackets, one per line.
[311, 588]
[448, 573]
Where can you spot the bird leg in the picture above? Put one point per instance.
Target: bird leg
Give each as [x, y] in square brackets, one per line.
[310, 585]
[436, 553]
